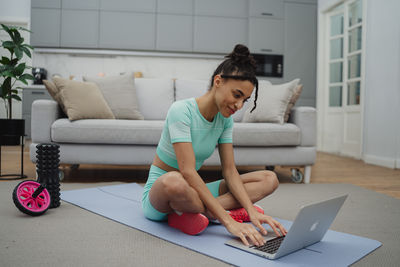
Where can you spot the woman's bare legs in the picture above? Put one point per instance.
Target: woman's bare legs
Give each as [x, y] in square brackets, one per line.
[258, 185]
[172, 192]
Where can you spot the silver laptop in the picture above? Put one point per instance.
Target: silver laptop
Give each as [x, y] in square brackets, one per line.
[309, 227]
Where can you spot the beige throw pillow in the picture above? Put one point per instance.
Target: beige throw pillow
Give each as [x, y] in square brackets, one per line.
[272, 103]
[82, 100]
[120, 94]
[292, 102]
[55, 93]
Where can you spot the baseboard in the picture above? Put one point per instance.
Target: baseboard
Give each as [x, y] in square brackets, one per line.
[381, 161]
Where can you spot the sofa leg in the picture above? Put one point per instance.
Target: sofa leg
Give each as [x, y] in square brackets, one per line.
[307, 174]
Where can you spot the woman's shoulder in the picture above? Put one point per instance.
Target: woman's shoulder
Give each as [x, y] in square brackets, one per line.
[183, 104]
[181, 108]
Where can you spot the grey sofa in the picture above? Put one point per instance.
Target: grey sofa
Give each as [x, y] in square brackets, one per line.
[133, 142]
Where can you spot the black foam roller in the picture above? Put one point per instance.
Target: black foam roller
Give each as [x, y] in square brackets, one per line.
[47, 163]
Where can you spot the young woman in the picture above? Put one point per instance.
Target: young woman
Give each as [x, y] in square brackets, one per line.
[174, 190]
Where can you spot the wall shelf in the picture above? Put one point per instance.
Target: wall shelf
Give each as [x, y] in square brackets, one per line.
[114, 53]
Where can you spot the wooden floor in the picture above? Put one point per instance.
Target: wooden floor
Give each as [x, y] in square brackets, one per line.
[327, 169]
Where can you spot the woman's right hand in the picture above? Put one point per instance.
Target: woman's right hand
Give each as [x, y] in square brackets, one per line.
[245, 231]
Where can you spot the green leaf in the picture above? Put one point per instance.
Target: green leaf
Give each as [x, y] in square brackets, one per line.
[14, 61]
[15, 36]
[5, 60]
[26, 51]
[26, 45]
[8, 74]
[16, 97]
[6, 87]
[19, 70]
[18, 52]
[8, 44]
[5, 27]
[26, 76]
[3, 68]
[23, 29]
[23, 80]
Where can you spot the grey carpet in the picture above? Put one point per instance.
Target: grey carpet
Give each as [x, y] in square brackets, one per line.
[71, 236]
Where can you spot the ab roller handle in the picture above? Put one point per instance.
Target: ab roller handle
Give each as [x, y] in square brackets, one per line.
[36, 197]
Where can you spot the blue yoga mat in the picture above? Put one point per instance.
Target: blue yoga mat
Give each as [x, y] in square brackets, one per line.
[122, 203]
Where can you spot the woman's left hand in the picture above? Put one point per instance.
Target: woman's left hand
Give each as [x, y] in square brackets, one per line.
[258, 219]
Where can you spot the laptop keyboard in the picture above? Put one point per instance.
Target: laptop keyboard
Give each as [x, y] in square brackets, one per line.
[271, 246]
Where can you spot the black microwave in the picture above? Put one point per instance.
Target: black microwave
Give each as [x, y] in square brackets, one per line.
[269, 65]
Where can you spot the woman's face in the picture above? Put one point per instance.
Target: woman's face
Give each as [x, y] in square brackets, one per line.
[231, 94]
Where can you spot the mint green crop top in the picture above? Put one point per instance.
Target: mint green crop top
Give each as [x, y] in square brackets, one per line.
[184, 123]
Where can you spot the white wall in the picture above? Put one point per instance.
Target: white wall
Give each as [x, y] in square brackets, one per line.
[381, 126]
[15, 10]
[151, 67]
[382, 84]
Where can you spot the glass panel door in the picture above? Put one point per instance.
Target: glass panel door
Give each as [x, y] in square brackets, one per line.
[354, 36]
[336, 37]
[343, 78]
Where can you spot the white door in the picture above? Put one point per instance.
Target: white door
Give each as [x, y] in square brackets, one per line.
[343, 79]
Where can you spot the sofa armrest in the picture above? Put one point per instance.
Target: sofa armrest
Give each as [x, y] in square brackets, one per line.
[44, 113]
[306, 119]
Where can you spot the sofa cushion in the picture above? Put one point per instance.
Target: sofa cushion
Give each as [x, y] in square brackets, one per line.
[137, 132]
[272, 103]
[190, 88]
[120, 94]
[55, 93]
[293, 100]
[238, 116]
[155, 96]
[266, 134]
[83, 100]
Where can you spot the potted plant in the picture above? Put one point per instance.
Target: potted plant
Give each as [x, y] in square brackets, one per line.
[12, 71]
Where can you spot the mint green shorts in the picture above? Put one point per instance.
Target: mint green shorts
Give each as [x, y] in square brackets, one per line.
[149, 211]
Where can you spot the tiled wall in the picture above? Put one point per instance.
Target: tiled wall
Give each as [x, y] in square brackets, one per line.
[151, 67]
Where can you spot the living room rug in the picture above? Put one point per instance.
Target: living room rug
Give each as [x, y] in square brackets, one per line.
[72, 236]
[122, 203]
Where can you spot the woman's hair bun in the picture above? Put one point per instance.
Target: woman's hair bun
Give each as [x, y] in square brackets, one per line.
[241, 55]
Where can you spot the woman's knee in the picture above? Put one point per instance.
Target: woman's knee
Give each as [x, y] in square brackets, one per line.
[175, 185]
[271, 181]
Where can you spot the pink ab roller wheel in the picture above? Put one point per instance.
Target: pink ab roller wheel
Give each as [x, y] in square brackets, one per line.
[31, 198]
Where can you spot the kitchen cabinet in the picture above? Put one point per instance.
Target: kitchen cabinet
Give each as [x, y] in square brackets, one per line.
[45, 27]
[266, 36]
[266, 8]
[46, 3]
[218, 34]
[181, 7]
[127, 30]
[174, 33]
[81, 5]
[129, 5]
[221, 8]
[79, 28]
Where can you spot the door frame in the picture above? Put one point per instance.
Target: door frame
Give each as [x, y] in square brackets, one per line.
[323, 74]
